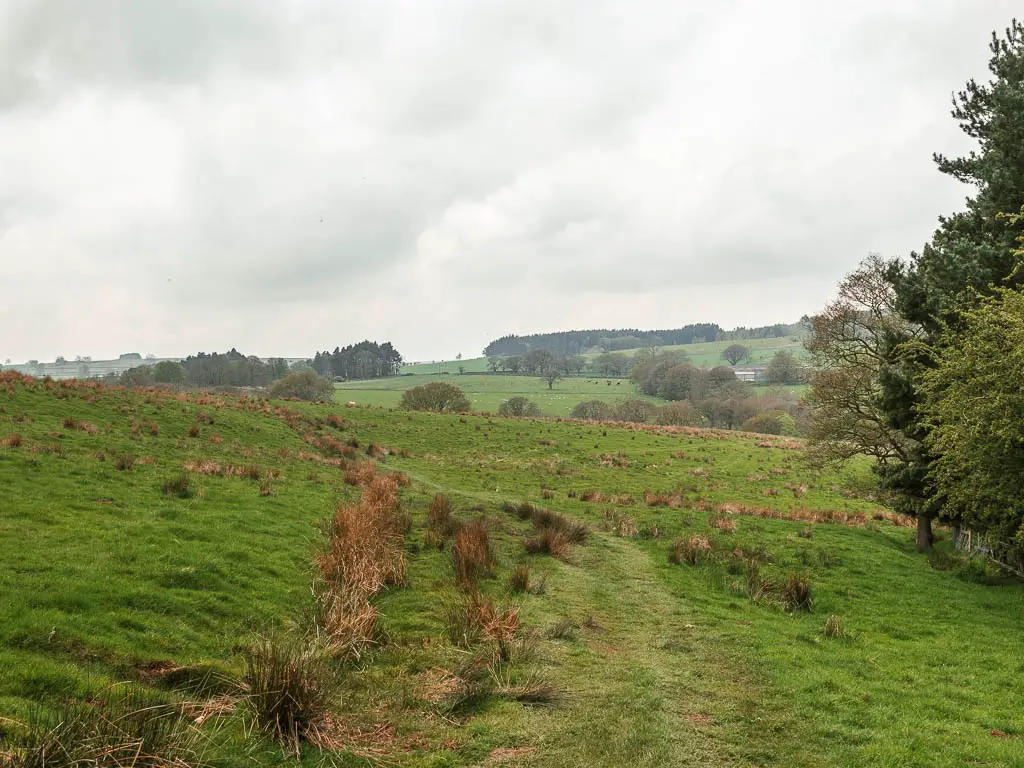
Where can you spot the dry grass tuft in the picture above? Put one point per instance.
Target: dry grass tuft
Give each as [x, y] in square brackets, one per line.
[128, 729]
[693, 550]
[549, 541]
[722, 523]
[439, 517]
[672, 500]
[834, 627]
[364, 553]
[471, 554]
[125, 462]
[180, 485]
[360, 473]
[805, 515]
[795, 593]
[15, 440]
[618, 523]
[291, 684]
[476, 617]
[519, 579]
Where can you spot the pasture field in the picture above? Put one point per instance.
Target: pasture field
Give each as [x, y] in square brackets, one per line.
[707, 353]
[486, 392]
[624, 656]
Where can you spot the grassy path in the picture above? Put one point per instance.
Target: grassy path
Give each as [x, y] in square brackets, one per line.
[648, 680]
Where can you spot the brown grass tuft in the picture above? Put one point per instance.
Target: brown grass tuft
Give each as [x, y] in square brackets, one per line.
[672, 500]
[471, 554]
[364, 553]
[439, 517]
[519, 579]
[360, 473]
[549, 541]
[795, 593]
[722, 523]
[618, 523]
[291, 685]
[475, 617]
[15, 440]
[692, 550]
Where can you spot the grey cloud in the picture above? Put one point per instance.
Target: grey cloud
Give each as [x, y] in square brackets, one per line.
[478, 167]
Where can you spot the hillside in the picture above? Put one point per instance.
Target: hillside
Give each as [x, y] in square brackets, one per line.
[487, 392]
[121, 568]
[701, 353]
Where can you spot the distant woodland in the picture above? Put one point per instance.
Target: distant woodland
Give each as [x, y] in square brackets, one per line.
[606, 340]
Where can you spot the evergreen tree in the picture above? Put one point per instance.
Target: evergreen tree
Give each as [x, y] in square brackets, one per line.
[970, 255]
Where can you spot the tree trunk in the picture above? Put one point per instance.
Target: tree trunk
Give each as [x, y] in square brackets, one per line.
[924, 533]
[955, 533]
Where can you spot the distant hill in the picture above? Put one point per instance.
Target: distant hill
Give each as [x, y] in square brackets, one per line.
[608, 340]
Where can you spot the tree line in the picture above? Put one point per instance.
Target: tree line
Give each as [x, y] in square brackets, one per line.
[575, 342]
[918, 363]
[365, 360]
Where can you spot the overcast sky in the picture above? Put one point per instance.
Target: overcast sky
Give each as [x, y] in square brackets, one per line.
[290, 175]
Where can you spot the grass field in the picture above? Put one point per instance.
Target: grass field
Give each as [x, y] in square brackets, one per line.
[486, 392]
[645, 662]
[705, 354]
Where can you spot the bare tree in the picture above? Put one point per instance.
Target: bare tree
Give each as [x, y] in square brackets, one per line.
[848, 348]
[735, 354]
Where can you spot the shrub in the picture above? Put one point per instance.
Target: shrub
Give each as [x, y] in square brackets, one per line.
[594, 410]
[942, 560]
[692, 550]
[518, 406]
[436, 396]
[290, 687]
[637, 411]
[977, 570]
[471, 554]
[770, 423]
[795, 593]
[303, 385]
[679, 414]
[179, 486]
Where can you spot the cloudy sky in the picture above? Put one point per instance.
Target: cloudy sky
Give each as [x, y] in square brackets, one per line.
[288, 175]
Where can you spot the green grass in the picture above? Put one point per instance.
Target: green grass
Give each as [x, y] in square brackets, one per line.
[669, 664]
[708, 353]
[486, 392]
